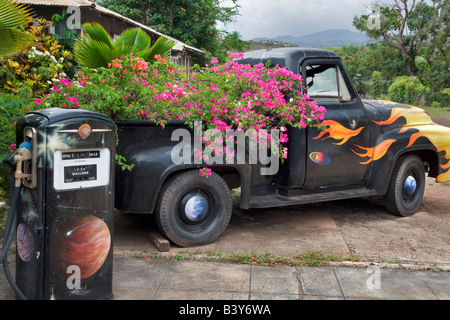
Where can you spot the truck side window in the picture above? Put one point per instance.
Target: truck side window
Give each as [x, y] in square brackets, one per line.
[325, 82]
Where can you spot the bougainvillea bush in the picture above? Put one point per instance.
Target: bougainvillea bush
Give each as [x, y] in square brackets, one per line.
[227, 96]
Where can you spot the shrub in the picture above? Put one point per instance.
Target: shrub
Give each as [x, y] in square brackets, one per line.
[31, 72]
[23, 76]
[407, 90]
[12, 107]
[377, 85]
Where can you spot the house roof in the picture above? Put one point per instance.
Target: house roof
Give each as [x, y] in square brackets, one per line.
[179, 46]
[64, 3]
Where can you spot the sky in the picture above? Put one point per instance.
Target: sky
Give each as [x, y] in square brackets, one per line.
[272, 18]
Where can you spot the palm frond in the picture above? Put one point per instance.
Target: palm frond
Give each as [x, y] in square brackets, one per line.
[123, 50]
[12, 16]
[98, 33]
[135, 37]
[92, 53]
[162, 46]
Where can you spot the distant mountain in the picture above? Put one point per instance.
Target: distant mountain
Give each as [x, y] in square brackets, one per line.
[328, 38]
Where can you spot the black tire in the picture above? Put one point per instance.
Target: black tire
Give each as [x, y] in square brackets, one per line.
[186, 195]
[406, 187]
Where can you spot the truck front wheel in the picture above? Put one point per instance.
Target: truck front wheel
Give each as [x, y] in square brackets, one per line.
[194, 210]
[407, 186]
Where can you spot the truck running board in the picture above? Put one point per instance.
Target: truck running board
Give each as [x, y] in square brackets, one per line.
[276, 200]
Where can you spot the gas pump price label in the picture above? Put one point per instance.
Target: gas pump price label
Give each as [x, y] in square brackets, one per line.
[80, 155]
[86, 168]
[80, 173]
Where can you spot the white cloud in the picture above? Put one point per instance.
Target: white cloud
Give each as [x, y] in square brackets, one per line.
[271, 18]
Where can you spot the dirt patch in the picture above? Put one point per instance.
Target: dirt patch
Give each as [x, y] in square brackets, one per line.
[442, 122]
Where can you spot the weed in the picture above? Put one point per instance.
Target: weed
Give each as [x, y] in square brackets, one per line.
[391, 261]
[177, 257]
[436, 269]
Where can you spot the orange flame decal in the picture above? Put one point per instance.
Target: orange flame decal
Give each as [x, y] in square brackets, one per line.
[338, 132]
[439, 137]
[412, 115]
[376, 152]
[417, 118]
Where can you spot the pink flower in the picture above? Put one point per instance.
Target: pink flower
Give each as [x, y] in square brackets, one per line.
[12, 146]
[205, 172]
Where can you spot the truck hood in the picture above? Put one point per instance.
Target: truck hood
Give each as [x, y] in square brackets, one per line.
[395, 115]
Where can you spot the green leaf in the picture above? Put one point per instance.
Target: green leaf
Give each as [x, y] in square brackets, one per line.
[162, 46]
[134, 37]
[98, 33]
[13, 15]
[92, 53]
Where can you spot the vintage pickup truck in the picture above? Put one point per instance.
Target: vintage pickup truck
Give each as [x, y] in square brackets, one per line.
[368, 148]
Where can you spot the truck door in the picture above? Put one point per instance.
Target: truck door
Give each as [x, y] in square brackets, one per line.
[330, 160]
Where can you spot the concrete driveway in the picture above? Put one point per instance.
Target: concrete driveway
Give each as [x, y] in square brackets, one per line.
[357, 228]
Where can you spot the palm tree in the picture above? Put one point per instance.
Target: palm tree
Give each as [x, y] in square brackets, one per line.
[95, 49]
[13, 16]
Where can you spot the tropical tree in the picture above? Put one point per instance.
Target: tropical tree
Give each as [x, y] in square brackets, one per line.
[12, 17]
[94, 48]
[399, 29]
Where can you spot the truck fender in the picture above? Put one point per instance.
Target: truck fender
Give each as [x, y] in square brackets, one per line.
[152, 167]
[389, 147]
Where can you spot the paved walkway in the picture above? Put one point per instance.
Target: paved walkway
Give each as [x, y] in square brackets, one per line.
[135, 278]
[200, 280]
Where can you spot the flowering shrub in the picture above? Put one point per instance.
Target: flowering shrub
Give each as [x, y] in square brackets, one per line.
[221, 97]
[31, 72]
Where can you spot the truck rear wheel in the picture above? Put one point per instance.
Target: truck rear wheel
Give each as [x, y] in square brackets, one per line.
[194, 210]
[406, 187]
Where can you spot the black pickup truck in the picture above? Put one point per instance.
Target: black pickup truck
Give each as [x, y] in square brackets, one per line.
[368, 148]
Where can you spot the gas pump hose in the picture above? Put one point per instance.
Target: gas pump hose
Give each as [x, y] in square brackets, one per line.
[8, 237]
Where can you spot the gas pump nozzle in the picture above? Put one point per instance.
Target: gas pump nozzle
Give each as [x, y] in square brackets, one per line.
[23, 154]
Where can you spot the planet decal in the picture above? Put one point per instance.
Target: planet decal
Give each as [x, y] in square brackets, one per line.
[410, 185]
[196, 208]
[84, 242]
[320, 158]
[25, 242]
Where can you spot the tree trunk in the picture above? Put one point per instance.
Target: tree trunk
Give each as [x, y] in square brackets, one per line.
[409, 68]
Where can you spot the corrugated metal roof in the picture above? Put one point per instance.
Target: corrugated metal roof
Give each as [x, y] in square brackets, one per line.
[64, 3]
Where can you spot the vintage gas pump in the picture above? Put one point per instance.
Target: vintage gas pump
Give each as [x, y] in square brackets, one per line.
[65, 206]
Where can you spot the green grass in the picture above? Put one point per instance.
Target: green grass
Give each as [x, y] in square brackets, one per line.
[308, 258]
[438, 113]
